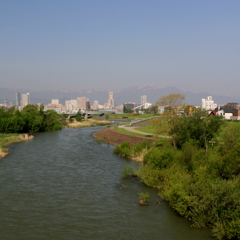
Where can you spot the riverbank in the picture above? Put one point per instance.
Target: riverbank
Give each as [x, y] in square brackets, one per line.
[6, 141]
[89, 123]
[110, 136]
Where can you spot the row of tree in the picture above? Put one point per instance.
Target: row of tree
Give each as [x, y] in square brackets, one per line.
[31, 119]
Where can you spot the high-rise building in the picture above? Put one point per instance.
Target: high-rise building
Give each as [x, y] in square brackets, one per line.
[110, 100]
[81, 102]
[143, 99]
[25, 99]
[18, 101]
[95, 105]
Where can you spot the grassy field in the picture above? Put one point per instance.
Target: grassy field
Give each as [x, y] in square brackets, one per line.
[147, 129]
[124, 116]
[6, 135]
[122, 130]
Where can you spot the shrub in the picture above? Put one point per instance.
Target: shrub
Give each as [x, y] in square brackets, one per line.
[160, 157]
[143, 198]
[124, 150]
[127, 172]
[138, 147]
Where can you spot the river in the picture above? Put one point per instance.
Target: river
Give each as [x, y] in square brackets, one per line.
[65, 185]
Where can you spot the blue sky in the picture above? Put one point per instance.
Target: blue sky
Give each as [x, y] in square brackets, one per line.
[113, 44]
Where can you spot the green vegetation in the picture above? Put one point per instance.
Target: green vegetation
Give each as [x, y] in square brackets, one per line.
[122, 130]
[127, 172]
[6, 135]
[128, 151]
[144, 198]
[79, 116]
[147, 129]
[31, 119]
[198, 171]
[128, 116]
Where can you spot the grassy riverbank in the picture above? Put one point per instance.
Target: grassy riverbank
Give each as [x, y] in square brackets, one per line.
[10, 138]
[88, 123]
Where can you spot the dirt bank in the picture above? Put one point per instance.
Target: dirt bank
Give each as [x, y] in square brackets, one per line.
[108, 135]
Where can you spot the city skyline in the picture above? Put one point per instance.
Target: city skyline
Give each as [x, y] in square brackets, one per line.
[98, 45]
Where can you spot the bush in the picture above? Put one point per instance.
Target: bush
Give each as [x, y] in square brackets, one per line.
[124, 150]
[160, 157]
[57, 126]
[144, 198]
[127, 172]
[138, 147]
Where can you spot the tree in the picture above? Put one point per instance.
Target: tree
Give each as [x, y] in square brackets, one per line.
[197, 127]
[231, 105]
[34, 118]
[79, 116]
[166, 123]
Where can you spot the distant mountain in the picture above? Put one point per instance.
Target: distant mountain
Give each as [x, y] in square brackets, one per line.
[131, 94]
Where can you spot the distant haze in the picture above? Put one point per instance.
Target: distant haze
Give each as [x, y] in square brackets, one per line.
[76, 45]
[131, 94]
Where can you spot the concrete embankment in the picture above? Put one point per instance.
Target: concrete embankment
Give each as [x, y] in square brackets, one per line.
[108, 135]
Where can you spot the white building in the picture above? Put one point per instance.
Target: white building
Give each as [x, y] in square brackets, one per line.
[25, 99]
[95, 105]
[143, 99]
[208, 103]
[71, 104]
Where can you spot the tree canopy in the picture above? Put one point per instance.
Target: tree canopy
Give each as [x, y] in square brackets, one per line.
[31, 119]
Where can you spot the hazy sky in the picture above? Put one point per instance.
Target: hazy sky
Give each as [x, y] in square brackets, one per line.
[112, 44]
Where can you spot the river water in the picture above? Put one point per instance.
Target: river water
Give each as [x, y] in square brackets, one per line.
[65, 185]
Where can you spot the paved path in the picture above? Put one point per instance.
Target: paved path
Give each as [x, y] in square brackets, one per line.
[132, 129]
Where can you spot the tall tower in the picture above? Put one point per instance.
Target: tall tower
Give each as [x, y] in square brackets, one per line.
[25, 99]
[18, 99]
[5, 103]
[143, 99]
[110, 100]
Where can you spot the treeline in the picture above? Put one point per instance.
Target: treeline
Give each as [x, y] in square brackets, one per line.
[31, 119]
[197, 171]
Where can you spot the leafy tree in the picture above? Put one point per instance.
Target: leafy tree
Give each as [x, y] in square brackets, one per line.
[79, 117]
[166, 123]
[52, 120]
[197, 127]
[231, 105]
[229, 162]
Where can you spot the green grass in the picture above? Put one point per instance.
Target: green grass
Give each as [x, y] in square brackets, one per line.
[8, 139]
[6, 135]
[122, 130]
[128, 116]
[147, 129]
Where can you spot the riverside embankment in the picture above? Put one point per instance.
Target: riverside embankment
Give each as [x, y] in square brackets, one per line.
[110, 136]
